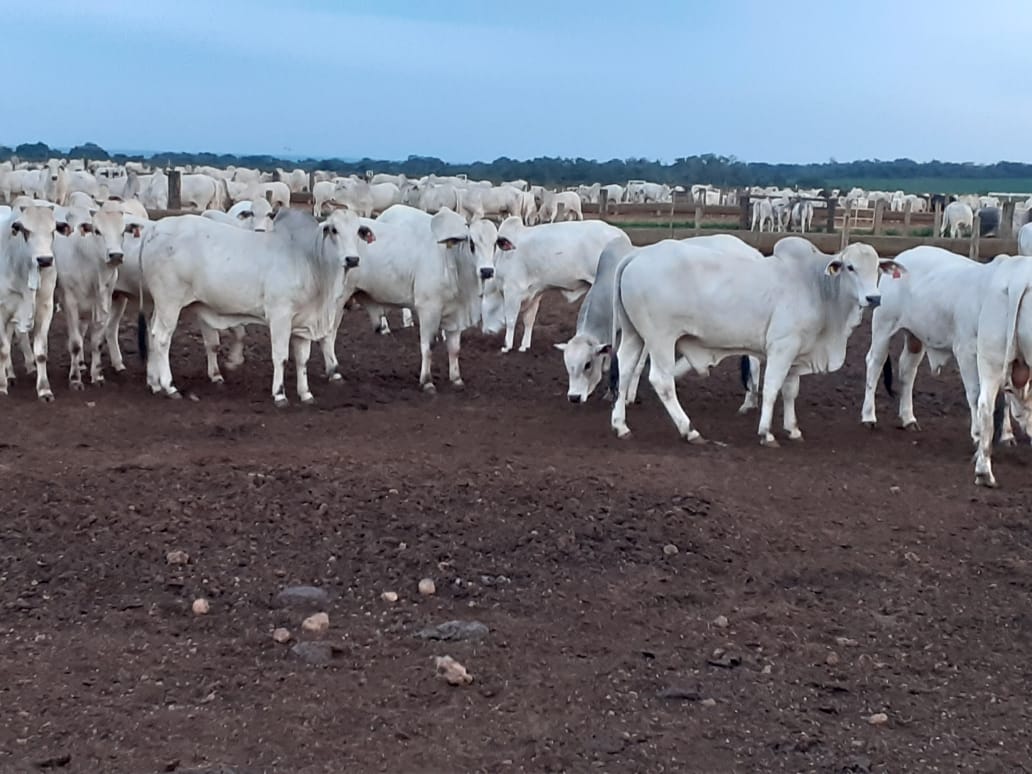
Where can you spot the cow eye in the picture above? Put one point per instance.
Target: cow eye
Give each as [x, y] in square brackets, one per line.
[587, 366]
[472, 247]
[97, 231]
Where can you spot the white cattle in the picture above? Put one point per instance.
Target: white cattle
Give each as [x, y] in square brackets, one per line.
[296, 179]
[81, 182]
[27, 282]
[957, 214]
[152, 190]
[497, 202]
[614, 192]
[762, 213]
[384, 195]
[428, 264]
[1025, 239]
[277, 194]
[254, 215]
[1004, 351]
[802, 216]
[677, 298]
[87, 262]
[936, 305]
[81, 200]
[433, 198]
[532, 259]
[291, 280]
[550, 206]
[528, 209]
[203, 192]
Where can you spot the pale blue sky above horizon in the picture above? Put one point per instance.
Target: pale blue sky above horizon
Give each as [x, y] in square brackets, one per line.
[468, 80]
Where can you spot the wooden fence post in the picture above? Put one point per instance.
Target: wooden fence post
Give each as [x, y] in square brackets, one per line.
[560, 210]
[175, 197]
[845, 230]
[907, 208]
[744, 222]
[879, 215]
[937, 221]
[603, 204]
[1007, 229]
[832, 205]
[976, 234]
[698, 221]
[311, 181]
[268, 195]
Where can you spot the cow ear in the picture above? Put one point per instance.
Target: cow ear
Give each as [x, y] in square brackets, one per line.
[605, 349]
[366, 234]
[833, 267]
[897, 270]
[560, 347]
[84, 228]
[63, 229]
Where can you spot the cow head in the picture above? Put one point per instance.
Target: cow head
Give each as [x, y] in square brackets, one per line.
[586, 361]
[32, 242]
[341, 233]
[483, 234]
[258, 217]
[110, 228]
[860, 268]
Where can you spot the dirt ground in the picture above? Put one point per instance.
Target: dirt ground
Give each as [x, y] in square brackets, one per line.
[856, 573]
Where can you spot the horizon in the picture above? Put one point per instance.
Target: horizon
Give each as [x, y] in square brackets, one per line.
[467, 82]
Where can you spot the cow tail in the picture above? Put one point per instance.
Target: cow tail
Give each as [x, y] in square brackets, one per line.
[620, 322]
[887, 377]
[999, 413]
[141, 318]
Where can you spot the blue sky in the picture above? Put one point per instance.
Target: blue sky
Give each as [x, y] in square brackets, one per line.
[462, 80]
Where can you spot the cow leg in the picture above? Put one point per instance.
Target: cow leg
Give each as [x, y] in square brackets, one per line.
[302, 350]
[97, 330]
[210, 337]
[406, 317]
[632, 348]
[876, 354]
[40, 335]
[752, 388]
[661, 376]
[236, 348]
[990, 382]
[778, 365]
[279, 337]
[25, 345]
[111, 336]
[529, 316]
[5, 357]
[512, 304]
[328, 347]
[163, 325]
[639, 367]
[909, 362]
[454, 344]
[429, 325]
[74, 325]
[789, 393]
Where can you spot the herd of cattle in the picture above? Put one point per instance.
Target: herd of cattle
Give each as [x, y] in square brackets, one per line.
[682, 305]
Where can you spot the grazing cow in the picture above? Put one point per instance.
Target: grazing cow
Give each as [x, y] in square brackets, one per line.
[532, 259]
[429, 264]
[550, 206]
[202, 192]
[936, 305]
[762, 213]
[989, 221]
[291, 280]
[674, 298]
[1004, 351]
[87, 263]
[1025, 239]
[957, 214]
[27, 282]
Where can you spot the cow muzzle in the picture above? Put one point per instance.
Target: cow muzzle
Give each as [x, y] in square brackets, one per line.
[44, 261]
[115, 258]
[873, 301]
[486, 273]
[350, 262]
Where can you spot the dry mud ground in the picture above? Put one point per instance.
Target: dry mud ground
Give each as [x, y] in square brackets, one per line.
[858, 572]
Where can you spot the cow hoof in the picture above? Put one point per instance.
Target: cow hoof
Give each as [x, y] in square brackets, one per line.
[1009, 443]
[524, 349]
[458, 385]
[912, 427]
[77, 386]
[46, 397]
[623, 435]
[336, 378]
[429, 388]
[119, 369]
[986, 480]
[770, 443]
[796, 438]
[308, 400]
[98, 382]
[280, 402]
[744, 409]
[870, 424]
[175, 395]
[695, 438]
[218, 380]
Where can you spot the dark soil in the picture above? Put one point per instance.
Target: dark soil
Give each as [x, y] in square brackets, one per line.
[859, 572]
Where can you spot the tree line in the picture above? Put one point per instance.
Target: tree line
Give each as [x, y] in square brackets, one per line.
[724, 171]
